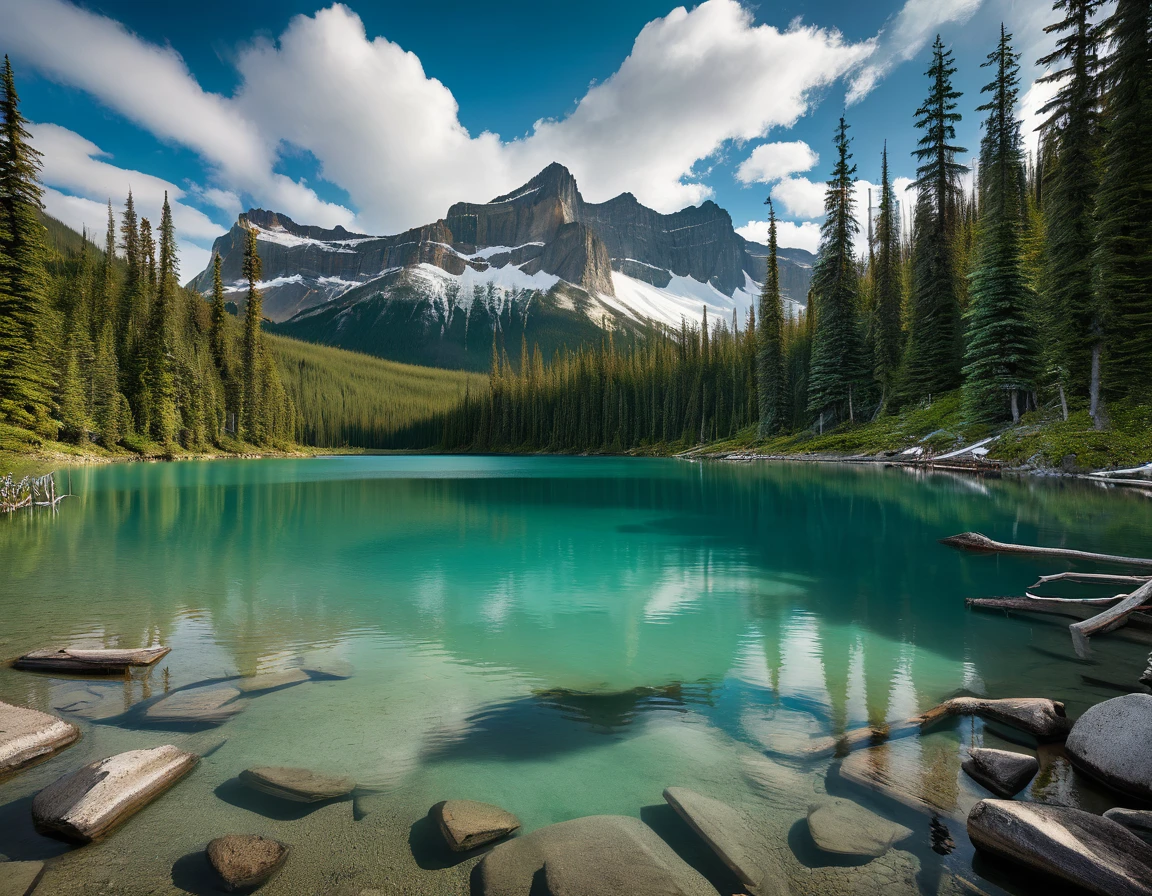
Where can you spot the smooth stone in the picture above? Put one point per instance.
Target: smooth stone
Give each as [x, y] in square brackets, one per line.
[1111, 741]
[207, 705]
[1044, 719]
[1003, 772]
[96, 798]
[82, 659]
[28, 734]
[89, 700]
[846, 828]
[734, 838]
[300, 785]
[1077, 847]
[467, 824]
[1138, 821]
[600, 855]
[19, 878]
[246, 861]
[270, 681]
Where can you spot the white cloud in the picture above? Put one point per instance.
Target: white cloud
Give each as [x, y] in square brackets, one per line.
[800, 197]
[910, 31]
[771, 161]
[789, 234]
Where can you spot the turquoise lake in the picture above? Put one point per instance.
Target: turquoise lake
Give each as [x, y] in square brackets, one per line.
[559, 636]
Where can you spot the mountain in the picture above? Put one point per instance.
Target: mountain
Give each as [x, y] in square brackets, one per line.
[538, 264]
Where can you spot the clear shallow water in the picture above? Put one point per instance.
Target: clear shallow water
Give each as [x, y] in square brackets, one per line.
[560, 636]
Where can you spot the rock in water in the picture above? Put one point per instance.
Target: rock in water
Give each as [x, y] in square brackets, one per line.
[466, 824]
[297, 784]
[80, 659]
[19, 878]
[94, 799]
[1138, 821]
[1042, 718]
[847, 828]
[1001, 771]
[28, 734]
[1076, 847]
[246, 861]
[211, 705]
[271, 681]
[734, 838]
[1111, 742]
[601, 855]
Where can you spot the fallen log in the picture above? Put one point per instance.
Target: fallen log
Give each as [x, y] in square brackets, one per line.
[1091, 578]
[1089, 601]
[1141, 620]
[974, 541]
[1111, 619]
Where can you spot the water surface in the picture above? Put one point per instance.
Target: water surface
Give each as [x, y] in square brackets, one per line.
[560, 636]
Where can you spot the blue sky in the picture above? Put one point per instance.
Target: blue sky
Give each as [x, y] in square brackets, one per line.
[378, 115]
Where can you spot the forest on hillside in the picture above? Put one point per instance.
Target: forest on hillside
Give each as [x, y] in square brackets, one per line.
[1030, 293]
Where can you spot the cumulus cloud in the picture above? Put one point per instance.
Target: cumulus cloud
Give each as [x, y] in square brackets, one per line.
[789, 234]
[913, 27]
[770, 162]
[800, 197]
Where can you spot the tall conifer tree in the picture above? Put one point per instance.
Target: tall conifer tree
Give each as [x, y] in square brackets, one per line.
[1002, 351]
[932, 363]
[161, 376]
[250, 372]
[888, 283]
[1071, 135]
[25, 371]
[837, 368]
[771, 378]
[216, 335]
[1124, 237]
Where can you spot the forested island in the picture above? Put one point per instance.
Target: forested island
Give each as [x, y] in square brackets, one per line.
[1021, 309]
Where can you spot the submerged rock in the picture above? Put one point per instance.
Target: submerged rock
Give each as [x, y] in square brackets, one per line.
[271, 681]
[1044, 719]
[1138, 821]
[1001, 771]
[299, 785]
[601, 855]
[94, 799]
[81, 659]
[466, 824]
[844, 827]
[734, 837]
[1111, 741]
[246, 861]
[210, 705]
[1076, 847]
[19, 878]
[330, 670]
[28, 734]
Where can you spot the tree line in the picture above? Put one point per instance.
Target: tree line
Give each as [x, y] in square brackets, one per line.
[1031, 290]
[105, 345]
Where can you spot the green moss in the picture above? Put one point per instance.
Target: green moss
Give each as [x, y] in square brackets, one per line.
[1046, 441]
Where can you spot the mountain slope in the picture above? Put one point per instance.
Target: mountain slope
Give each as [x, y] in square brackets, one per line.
[538, 264]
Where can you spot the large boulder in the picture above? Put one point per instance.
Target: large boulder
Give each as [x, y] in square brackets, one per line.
[1111, 742]
[734, 837]
[208, 705]
[94, 799]
[466, 824]
[1003, 772]
[246, 861]
[601, 855]
[1044, 719]
[19, 878]
[300, 785]
[844, 827]
[28, 734]
[1138, 821]
[91, 660]
[1073, 846]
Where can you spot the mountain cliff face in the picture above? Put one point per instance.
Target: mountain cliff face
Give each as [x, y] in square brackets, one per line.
[540, 251]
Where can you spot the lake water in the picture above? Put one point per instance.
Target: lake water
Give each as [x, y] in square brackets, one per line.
[559, 636]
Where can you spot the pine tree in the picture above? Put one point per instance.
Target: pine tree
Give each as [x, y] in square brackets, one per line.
[771, 379]
[25, 370]
[251, 362]
[837, 358]
[106, 398]
[932, 363]
[72, 401]
[106, 295]
[130, 243]
[1002, 352]
[888, 283]
[1071, 135]
[161, 394]
[1124, 235]
[216, 335]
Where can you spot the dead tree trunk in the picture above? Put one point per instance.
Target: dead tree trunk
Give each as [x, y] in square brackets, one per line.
[974, 541]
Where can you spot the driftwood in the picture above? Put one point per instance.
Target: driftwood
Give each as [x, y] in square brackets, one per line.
[37, 491]
[1090, 601]
[974, 541]
[1092, 578]
[100, 660]
[1141, 620]
[1111, 619]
